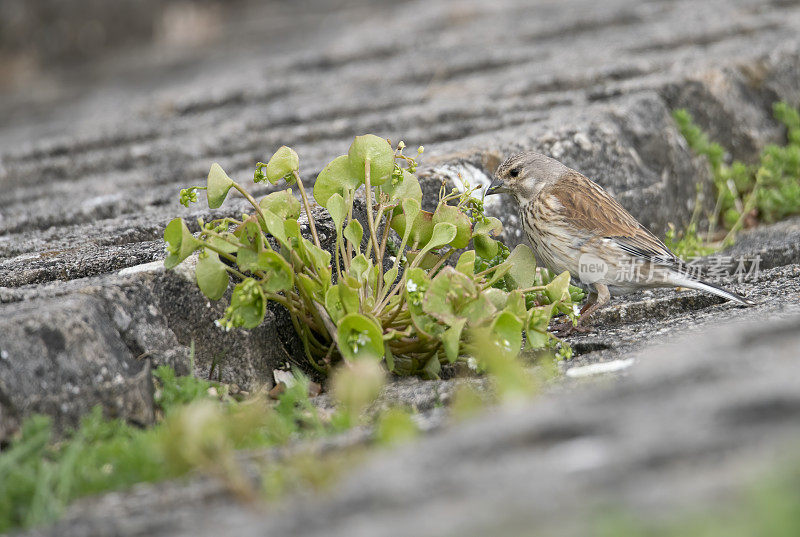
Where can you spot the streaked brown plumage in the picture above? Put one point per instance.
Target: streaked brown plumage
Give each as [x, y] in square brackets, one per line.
[574, 225]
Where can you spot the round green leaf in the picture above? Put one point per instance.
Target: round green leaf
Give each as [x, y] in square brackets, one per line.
[359, 267]
[455, 216]
[507, 330]
[279, 274]
[538, 321]
[335, 178]
[247, 259]
[282, 203]
[522, 273]
[354, 232]
[485, 247]
[248, 304]
[390, 276]
[218, 186]
[282, 164]
[516, 304]
[479, 310]
[443, 234]
[212, 277]
[411, 208]
[312, 288]
[291, 228]
[274, 225]
[222, 244]
[348, 295]
[380, 155]
[432, 368]
[497, 297]
[333, 303]
[466, 263]
[337, 209]
[558, 289]
[360, 337]
[422, 229]
[180, 242]
[451, 339]
[427, 260]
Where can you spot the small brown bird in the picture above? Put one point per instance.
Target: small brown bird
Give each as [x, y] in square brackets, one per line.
[575, 225]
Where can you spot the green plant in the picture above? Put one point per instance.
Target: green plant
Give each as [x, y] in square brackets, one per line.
[687, 243]
[174, 391]
[41, 472]
[383, 289]
[767, 192]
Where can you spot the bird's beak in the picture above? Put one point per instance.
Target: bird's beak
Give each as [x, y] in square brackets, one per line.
[496, 187]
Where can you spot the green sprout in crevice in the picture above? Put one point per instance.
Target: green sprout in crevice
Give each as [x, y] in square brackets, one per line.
[745, 194]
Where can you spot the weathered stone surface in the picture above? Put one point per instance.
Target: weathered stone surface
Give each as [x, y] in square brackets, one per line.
[687, 424]
[62, 358]
[673, 427]
[775, 245]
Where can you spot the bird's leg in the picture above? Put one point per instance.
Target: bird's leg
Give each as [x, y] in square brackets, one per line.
[598, 297]
[602, 296]
[590, 302]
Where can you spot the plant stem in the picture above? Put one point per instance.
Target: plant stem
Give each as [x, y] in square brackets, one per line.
[400, 285]
[370, 221]
[382, 249]
[251, 199]
[386, 229]
[531, 289]
[311, 223]
[304, 339]
[348, 246]
[235, 272]
[280, 299]
[488, 270]
[397, 310]
[748, 206]
[336, 253]
[221, 252]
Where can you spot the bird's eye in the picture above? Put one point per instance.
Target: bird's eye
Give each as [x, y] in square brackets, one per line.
[514, 172]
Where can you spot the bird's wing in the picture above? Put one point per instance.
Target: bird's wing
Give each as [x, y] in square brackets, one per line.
[592, 211]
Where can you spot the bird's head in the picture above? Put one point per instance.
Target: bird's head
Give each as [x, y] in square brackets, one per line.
[524, 175]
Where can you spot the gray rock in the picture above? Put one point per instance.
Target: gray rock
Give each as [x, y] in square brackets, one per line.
[776, 245]
[688, 424]
[62, 358]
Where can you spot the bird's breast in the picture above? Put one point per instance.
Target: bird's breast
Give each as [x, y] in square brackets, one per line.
[552, 242]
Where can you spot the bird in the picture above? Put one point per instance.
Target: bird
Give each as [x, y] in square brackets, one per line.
[575, 225]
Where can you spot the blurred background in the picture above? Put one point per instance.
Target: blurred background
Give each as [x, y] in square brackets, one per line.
[55, 53]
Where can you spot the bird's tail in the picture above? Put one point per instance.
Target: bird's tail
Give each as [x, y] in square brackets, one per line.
[682, 280]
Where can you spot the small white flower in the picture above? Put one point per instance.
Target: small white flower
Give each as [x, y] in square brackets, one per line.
[472, 363]
[411, 286]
